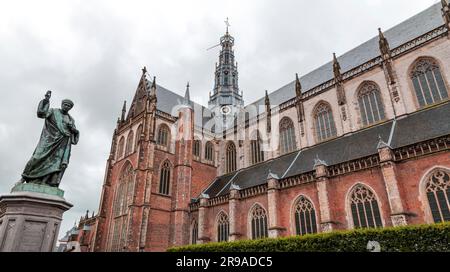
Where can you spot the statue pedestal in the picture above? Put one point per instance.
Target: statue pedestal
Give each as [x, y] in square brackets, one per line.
[30, 217]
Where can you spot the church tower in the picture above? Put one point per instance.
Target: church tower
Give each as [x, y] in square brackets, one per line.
[226, 99]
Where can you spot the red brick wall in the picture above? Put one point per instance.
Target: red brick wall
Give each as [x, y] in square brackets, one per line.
[202, 176]
[410, 174]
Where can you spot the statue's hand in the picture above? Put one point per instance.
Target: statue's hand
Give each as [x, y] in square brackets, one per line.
[48, 95]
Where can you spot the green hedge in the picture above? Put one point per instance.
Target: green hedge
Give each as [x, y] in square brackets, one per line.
[434, 237]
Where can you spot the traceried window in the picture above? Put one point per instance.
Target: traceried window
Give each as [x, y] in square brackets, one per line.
[324, 122]
[164, 178]
[120, 148]
[364, 208]
[196, 148]
[194, 232]
[258, 223]
[370, 104]
[129, 147]
[123, 198]
[163, 135]
[438, 194]
[305, 217]
[287, 136]
[138, 137]
[209, 151]
[223, 227]
[231, 157]
[428, 83]
[257, 154]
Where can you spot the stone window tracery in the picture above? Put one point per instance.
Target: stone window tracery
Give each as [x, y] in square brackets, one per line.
[364, 208]
[428, 83]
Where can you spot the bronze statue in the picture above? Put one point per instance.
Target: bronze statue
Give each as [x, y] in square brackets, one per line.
[51, 156]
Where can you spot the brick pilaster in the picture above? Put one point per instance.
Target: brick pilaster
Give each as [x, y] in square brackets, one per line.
[389, 171]
[326, 223]
[202, 220]
[233, 206]
[275, 228]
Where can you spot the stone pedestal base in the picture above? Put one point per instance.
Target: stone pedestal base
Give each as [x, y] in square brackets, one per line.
[30, 218]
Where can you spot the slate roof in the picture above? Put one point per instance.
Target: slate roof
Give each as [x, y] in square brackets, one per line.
[408, 30]
[416, 127]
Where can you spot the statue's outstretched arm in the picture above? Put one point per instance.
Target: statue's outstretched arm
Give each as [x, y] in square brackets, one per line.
[44, 105]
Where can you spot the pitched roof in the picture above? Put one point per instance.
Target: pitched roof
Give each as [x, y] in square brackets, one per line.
[408, 30]
[352, 146]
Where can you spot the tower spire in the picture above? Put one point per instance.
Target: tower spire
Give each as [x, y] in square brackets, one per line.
[226, 89]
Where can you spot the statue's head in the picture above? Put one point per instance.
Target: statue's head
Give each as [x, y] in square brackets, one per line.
[66, 105]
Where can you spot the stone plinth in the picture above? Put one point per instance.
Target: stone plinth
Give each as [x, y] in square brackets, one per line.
[30, 217]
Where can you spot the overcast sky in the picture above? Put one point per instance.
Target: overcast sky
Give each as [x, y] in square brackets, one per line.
[92, 52]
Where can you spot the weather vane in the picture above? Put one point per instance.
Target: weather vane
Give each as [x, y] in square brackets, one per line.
[227, 23]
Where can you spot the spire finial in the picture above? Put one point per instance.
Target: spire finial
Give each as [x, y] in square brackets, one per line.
[154, 82]
[144, 70]
[383, 44]
[187, 97]
[124, 110]
[298, 86]
[336, 68]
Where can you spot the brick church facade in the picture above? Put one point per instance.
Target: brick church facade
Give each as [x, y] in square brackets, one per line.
[362, 141]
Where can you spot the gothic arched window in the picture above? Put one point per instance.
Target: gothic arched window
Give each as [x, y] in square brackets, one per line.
[194, 232]
[324, 122]
[209, 151]
[364, 208]
[164, 178]
[370, 104]
[223, 227]
[428, 83]
[163, 135]
[129, 147]
[231, 157]
[258, 222]
[120, 148]
[123, 198]
[196, 148]
[257, 155]
[305, 217]
[287, 136]
[438, 194]
[138, 137]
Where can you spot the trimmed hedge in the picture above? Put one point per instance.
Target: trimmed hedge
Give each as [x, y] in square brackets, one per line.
[435, 237]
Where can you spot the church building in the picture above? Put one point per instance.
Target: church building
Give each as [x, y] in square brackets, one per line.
[360, 142]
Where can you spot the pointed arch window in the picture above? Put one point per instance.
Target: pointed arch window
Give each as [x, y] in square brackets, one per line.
[163, 135]
[138, 137]
[120, 148]
[370, 104]
[324, 122]
[123, 198]
[438, 195]
[259, 223]
[231, 157]
[194, 232]
[164, 179]
[223, 227]
[209, 151]
[305, 217]
[129, 146]
[287, 136]
[428, 83]
[196, 149]
[257, 154]
[364, 208]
